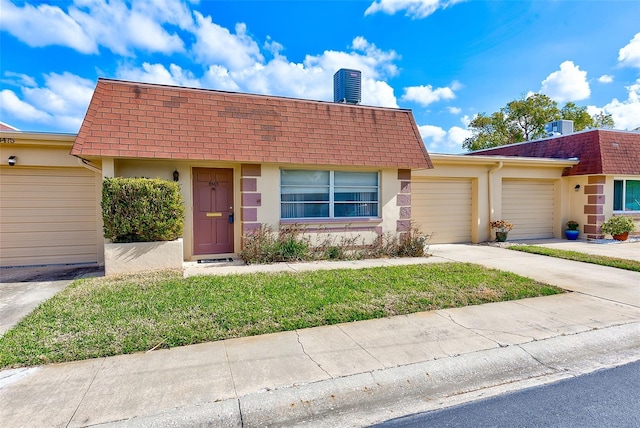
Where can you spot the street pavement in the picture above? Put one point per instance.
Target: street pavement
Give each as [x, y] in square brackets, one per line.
[359, 373]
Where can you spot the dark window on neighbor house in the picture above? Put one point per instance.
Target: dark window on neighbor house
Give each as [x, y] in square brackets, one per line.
[307, 194]
[626, 195]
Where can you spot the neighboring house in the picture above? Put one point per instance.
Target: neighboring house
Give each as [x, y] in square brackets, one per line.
[49, 202]
[245, 160]
[606, 180]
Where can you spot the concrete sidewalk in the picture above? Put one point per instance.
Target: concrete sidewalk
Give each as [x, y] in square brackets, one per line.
[352, 374]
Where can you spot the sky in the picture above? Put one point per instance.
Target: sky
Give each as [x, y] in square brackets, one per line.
[446, 60]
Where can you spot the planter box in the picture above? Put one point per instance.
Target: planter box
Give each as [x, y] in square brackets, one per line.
[142, 256]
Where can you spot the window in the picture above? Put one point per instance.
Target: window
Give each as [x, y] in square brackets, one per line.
[626, 195]
[328, 194]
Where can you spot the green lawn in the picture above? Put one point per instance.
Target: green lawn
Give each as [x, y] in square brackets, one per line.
[116, 315]
[579, 257]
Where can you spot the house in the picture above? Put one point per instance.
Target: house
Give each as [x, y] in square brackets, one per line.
[604, 183]
[335, 169]
[245, 160]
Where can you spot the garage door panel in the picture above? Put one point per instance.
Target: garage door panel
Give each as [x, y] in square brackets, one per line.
[48, 215]
[530, 206]
[442, 208]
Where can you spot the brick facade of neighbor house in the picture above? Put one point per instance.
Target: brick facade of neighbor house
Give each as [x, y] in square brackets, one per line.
[138, 120]
[601, 154]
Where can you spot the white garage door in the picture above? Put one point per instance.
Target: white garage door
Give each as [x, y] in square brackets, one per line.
[442, 208]
[530, 206]
[47, 216]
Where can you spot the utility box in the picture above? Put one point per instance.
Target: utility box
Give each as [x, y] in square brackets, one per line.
[347, 86]
[561, 127]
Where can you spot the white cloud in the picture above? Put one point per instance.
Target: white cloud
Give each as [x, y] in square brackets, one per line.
[12, 105]
[158, 73]
[630, 54]
[416, 9]
[313, 77]
[216, 45]
[425, 95]
[19, 79]
[625, 114]
[454, 110]
[45, 25]
[60, 104]
[437, 140]
[567, 84]
[605, 78]
[90, 24]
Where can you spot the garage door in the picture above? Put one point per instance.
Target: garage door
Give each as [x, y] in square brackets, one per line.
[530, 206]
[47, 216]
[442, 208]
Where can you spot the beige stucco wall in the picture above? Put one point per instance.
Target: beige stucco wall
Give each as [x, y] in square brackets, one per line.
[488, 173]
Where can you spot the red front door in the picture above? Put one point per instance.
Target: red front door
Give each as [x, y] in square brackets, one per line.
[212, 210]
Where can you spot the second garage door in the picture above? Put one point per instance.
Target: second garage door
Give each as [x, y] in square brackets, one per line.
[442, 208]
[530, 206]
[48, 216]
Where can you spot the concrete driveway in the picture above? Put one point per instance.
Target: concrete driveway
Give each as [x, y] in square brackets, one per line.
[23, 289]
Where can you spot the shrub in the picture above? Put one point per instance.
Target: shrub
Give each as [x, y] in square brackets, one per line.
[142, 210]
[617, 225]
[572, 225]
[263, 245]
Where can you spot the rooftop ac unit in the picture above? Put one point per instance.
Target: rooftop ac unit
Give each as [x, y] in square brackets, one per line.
[347, 86]
[561, 127]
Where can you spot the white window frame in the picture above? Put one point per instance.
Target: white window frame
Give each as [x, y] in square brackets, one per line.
[332, 202]
[624, 195]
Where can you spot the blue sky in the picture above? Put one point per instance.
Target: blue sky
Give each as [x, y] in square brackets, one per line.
[444, 59]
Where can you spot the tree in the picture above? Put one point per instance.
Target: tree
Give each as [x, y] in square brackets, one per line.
[525, 119]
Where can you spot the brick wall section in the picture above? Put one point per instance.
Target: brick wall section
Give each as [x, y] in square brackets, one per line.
[594, 206]
[140, 120]
[250, 197]
[403, 201]
[599, 151]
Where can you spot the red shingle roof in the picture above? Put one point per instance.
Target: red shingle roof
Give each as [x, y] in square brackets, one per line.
[139, 120]
[599, 151]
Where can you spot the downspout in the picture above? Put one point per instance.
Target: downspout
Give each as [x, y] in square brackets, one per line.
[85, 163]
[491, 171]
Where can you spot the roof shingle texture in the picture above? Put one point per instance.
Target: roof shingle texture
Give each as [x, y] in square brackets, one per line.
[599, 151]
[136, 120]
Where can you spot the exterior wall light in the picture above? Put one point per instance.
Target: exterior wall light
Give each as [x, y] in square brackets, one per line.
[176, 175]
[12, 160]
[577, 187]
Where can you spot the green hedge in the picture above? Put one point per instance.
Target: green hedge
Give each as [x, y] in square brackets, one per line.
[142, 210]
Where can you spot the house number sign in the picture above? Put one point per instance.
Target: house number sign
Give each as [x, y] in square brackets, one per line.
[4, 140]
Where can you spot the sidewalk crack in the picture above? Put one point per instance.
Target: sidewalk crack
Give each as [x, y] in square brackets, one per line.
[542, 363]
[233, 380]
[86, 392]
[360, 346]
[310, 357]
[476, 330]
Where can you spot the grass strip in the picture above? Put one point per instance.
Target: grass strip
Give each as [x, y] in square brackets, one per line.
[577, 256]
[106, 316]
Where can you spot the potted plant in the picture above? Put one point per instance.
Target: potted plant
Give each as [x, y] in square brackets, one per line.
[502, 228]
[619, 227]
[572, 231]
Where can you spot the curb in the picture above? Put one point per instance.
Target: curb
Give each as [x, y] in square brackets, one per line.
[371, 397]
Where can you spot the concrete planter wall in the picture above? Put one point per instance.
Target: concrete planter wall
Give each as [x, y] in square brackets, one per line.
[142, 256]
